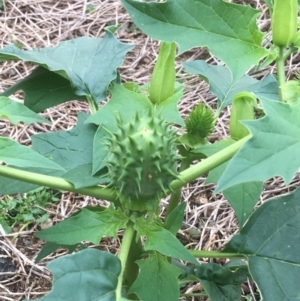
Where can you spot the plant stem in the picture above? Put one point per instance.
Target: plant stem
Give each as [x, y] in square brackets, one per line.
[132, 269]
[208, 164]
[215, 254]
[289, 52]
[124, 251]
[57, 183]
[92, 104]
[176, 194]
[280, 71]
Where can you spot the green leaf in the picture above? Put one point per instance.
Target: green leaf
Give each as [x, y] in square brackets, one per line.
[228, 30]
[274, 253]
[86, 226]
[17, 112]
[88, 275]
[43, 89]
[272, 151]
[161, 240]
[221, 283]
[76, 59]
[157, 281]
[13, 153]
[163, 76]
[50, 247]
[221, 84]
[81, 176]
[243, 197]
[175, 219]
[72, 150]
[3, 223]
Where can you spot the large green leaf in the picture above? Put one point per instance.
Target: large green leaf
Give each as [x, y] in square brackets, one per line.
[161, 240]
[157, 281]
[86, 226]
[175, 219]
[88, 275]
[272, 151]
[222, 85]
[271, 241]
[43, 89]
[221, 283]
[90, 64]
[242, 197]
[13, 153]
[50, 247]
[17, 112]
[72, 150]
[228, 30]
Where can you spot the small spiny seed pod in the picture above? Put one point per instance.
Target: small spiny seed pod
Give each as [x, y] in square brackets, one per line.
[142, 160]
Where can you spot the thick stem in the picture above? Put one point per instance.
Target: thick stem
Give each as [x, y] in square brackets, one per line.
[215, 254]
[176, 194]
[57, 183]
[132, 269]
[280, 71]
[92, 104]
[123, 254]
[208, 164]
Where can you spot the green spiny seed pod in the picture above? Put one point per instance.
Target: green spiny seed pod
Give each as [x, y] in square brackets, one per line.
[200, 121]
[142, 160]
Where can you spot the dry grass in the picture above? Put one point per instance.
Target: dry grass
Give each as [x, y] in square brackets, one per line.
[209, 221]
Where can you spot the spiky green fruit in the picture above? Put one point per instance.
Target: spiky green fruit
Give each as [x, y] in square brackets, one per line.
[142, 160]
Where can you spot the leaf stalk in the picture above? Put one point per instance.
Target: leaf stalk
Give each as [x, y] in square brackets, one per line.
[124, 251]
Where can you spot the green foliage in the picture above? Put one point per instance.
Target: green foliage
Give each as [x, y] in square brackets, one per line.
[88, 275]
[129, 157]
[87, 225]
[273, 149]
[221, 84]
[17, 112]
[204, 23]
[83, 77]
[270, 240]
[158, 279]
[27, 208]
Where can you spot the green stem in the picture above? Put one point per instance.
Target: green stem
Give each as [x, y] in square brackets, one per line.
[215, 254]
[124, 251]
[176, 194]
[132, 269]
[57, 183]
[185, 176]
[287, 54]
[280, 71]
[208, 164]
[92, 104]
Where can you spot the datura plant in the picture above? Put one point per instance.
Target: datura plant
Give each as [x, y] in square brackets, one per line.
[137, 149]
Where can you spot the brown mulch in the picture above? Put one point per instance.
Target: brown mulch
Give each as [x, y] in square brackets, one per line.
[209, 221]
